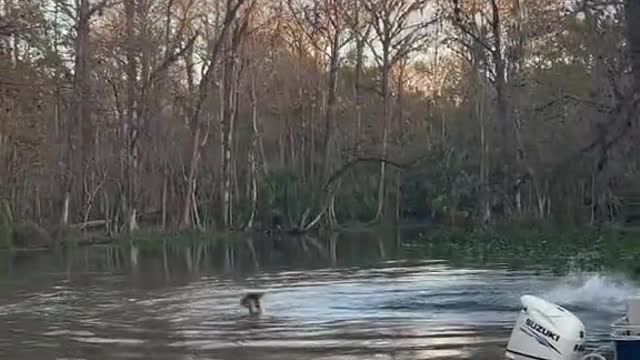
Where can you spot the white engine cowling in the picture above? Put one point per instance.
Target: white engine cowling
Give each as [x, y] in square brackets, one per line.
[545, 331]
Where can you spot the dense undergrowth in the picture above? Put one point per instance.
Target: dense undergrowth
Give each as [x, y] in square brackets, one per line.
[556, 249]
[153, 242]
[542, 249]
[545, 248]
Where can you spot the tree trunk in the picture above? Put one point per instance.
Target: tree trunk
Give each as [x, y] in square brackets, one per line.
[194, 204]
[65, 208]
[165, 185]
[131, 128]
[193, 166]
[484, 157]
[252, 153]
[386, 69]
[80, 129]
[400, 100]
[632, 12]
[37, 206]
[231, 83]
[501, 100]
[331, 106]
[357, 88]
[228, 124]
[84, 87]
[230, 15]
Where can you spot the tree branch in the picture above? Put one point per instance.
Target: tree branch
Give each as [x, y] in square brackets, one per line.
[171, 58]
[340, 172]
[475, 37]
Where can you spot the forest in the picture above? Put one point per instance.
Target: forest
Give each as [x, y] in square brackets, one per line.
[212, 114]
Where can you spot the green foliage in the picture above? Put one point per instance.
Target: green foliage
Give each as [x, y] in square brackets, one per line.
[153, 242]
[440, 185]
[244, 209]
[6, 227]
[357, 199]
[27, 234]
[276, 187]
[284, 189]
[560, 250]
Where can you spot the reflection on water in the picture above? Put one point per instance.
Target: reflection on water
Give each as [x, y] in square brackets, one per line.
[184, 304]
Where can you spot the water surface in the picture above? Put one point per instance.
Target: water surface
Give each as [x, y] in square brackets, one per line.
[82, 308]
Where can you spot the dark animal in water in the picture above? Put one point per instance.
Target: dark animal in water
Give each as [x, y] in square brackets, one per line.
[252, 302]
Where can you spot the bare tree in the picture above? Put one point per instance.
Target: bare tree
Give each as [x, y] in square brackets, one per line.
[326, 28]
[81, 135]
[400, 28]
[232, 72]
[200, 133]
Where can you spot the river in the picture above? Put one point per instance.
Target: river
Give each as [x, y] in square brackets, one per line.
[100, 303]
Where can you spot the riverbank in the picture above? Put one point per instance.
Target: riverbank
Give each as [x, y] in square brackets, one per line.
[608, 248]
[551, 248]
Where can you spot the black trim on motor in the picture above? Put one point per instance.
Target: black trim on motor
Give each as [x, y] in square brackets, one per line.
[526, 355]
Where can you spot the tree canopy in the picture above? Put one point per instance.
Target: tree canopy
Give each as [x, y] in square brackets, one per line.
[206, 113]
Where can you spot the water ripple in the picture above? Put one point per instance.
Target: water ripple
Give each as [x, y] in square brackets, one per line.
[422, 310]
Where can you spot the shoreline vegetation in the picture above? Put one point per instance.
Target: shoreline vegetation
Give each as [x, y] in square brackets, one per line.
[498, 125]
[608, 247]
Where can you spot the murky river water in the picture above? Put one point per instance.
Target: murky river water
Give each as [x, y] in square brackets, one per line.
[388, 310]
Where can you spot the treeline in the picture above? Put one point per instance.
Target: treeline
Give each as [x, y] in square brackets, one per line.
[210, 113]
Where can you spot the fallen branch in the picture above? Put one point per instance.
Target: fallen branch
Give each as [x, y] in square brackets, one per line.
[340, 172]
[89, 224]
[598, 105]
[95, 241]
[302, 228]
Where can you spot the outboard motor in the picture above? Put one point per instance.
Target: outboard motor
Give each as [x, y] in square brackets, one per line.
[546, 331]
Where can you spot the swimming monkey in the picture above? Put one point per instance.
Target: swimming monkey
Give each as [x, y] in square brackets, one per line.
[252, 302]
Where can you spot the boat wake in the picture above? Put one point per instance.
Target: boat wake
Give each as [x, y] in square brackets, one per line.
[596, 292]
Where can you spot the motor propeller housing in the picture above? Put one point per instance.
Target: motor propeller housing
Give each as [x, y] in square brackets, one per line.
[546, 331]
